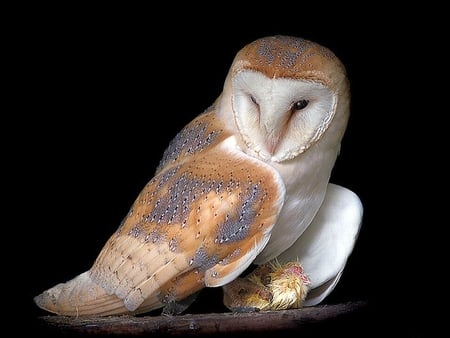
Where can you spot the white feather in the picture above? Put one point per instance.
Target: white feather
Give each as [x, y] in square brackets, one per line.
[324, 247]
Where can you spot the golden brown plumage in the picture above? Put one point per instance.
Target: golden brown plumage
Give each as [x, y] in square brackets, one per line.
[199, 222]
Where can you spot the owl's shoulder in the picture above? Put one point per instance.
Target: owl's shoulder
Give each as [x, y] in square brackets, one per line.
[200, 135]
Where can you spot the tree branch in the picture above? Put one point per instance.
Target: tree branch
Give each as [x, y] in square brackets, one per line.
[203, 324]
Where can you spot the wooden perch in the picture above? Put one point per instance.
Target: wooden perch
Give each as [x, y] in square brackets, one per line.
[202, 324]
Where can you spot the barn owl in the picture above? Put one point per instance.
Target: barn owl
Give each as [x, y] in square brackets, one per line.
[247, 181]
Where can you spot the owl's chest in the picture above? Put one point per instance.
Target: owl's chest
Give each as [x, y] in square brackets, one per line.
[307, 173]
[306, 179]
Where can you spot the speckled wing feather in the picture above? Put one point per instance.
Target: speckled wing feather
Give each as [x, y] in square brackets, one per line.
[199, 222]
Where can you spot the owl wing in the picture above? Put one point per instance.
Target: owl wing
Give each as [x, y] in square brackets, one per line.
[324, 247]
[199, 222]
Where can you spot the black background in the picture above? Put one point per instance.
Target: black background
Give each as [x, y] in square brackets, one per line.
[99, 95]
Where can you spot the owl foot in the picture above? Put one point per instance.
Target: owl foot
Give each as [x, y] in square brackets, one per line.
[270, 286]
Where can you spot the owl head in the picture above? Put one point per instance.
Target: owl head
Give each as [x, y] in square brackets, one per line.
[283, 94]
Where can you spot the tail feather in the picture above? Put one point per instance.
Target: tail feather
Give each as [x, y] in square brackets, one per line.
[80, 296]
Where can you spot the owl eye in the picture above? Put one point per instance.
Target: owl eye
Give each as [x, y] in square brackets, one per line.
[253, 99]
[299, 105]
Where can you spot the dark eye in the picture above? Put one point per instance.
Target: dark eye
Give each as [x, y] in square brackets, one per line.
[299, 105]
[253, 99]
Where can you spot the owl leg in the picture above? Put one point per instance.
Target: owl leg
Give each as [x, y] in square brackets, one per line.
[326, 244]
[246, 295]
[270, 286]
